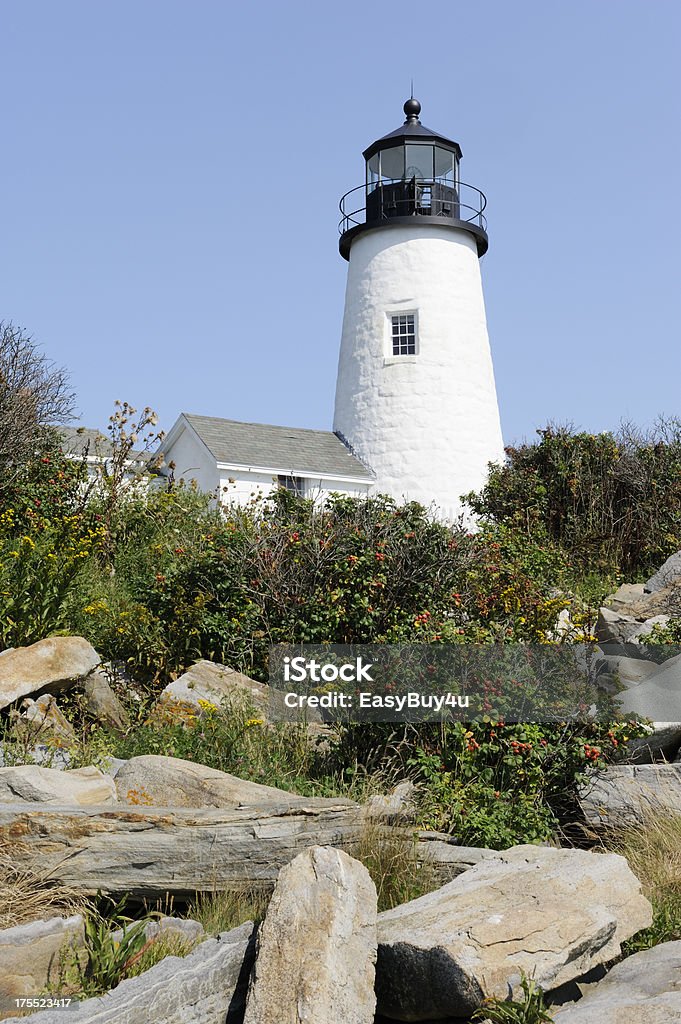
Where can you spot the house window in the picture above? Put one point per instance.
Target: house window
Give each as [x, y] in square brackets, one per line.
[404, 334]
[294, 484]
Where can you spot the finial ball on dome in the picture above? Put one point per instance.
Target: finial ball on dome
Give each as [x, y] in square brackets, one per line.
[412, 107]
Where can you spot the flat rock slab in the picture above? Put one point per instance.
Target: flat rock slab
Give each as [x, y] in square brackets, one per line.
[151, 851]
[643, 989]
[206, 987]
[552, 914]
[156, 781]
[316, 949]
[82, 787]
[628, 794]
[30, 956]
[52, 665]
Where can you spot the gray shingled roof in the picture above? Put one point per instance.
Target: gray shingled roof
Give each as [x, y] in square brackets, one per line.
[77, 440]
[304, 452]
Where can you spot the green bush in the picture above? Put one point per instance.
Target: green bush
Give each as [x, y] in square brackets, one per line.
[188, 582]
[47, 535]
[610, 501]
[495, 784]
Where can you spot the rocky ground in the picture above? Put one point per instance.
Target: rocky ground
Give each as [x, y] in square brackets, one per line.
[154, 825]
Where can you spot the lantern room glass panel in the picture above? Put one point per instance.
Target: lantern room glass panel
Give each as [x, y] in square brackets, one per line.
[392, 164]
[445, 165]
[419, 163]
[372, 173]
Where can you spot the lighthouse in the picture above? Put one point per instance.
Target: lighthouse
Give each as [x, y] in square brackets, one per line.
[415, 394]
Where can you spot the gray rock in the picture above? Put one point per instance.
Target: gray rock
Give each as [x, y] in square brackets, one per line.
[643, 989]
[666, 601]
[659, 696]
[445, 858]
[30, 956]
[150, 851]
[79, 787]
[625, 596]
[614, 627]
[646, 628]
[112, 765]
[663, 741]
[397, 806]
[667, 575]
[50, 665]
[206, 987]
[552, 914]
[156, 781]
[621, 669]
[103, 704]
[637, 601]
[628, 794]
[210, 683]
[42, 719]
[316, 949]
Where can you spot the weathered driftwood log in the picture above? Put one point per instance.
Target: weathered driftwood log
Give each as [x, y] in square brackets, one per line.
[151, 851]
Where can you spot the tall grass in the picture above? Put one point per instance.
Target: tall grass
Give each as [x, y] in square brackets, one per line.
[27, 894]
[390, 857]
[222, 911]
[653, 850]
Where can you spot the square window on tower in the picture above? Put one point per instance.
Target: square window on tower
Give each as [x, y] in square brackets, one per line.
[403, 334]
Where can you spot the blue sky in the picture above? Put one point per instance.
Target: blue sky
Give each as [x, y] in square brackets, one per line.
[171, 173]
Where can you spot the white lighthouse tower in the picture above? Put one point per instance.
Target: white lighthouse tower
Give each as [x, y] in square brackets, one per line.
[415, 395]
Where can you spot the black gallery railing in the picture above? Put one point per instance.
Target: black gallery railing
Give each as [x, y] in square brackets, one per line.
[416, 197]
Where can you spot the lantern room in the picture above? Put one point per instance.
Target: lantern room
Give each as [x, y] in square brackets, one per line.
[412, 172]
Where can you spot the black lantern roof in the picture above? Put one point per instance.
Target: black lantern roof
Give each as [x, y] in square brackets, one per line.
[411, 131]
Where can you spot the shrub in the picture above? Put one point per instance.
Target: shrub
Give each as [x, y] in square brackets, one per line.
[38, 572]
[46, 537]
[191, 583]
[610, 501]
[493, 784]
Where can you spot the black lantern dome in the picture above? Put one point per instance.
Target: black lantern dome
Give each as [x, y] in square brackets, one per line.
[411, 173]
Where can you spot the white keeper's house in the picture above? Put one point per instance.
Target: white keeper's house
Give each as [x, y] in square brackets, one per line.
[238, 461]
[416, 412]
